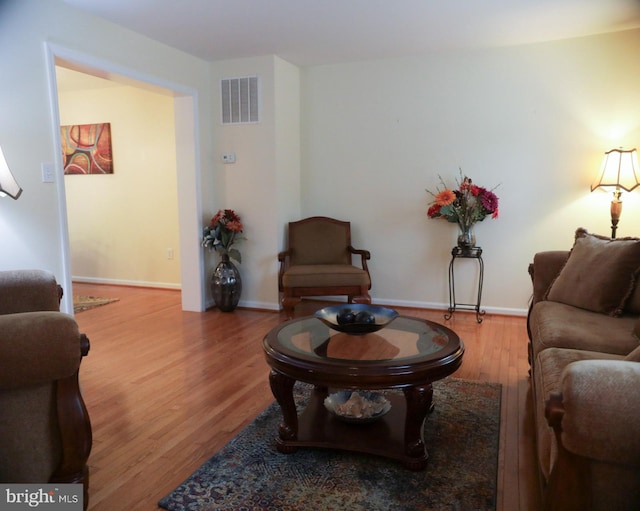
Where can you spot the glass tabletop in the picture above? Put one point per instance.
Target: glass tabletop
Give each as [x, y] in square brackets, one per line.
[405, 338]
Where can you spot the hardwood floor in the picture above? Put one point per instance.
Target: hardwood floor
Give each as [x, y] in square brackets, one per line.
[166, 389]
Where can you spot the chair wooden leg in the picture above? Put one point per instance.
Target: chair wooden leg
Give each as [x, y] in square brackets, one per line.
[362, 298]
[288, 304]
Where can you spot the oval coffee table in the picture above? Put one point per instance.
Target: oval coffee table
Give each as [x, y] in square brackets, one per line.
[408, 354]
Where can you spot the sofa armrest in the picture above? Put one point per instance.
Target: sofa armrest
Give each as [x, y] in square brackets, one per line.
[544, 269]
[28, 291]
[45, 430]
[595, 415]
[38, 347]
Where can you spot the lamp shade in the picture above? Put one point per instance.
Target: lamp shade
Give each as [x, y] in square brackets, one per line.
[619, 170]
[8, 184]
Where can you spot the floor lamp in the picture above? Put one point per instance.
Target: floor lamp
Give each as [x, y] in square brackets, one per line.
[619, 171]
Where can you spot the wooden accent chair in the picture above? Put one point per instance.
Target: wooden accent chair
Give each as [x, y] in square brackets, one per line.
[317, 262]
[45, 432]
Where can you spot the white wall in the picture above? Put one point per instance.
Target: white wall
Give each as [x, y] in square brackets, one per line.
[121, 225]
[263, 185]
[534, 120]
[32, 232]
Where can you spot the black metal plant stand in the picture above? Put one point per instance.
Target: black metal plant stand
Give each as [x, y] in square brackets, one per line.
[465, 253]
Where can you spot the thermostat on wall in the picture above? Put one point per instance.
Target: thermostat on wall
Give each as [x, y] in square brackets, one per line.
[229, 157]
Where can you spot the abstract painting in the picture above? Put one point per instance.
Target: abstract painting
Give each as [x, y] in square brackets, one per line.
[86, 149]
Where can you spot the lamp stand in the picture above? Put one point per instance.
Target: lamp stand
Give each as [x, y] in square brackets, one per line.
[616, 210]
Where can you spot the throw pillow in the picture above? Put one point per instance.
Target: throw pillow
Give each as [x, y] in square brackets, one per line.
[599, 274]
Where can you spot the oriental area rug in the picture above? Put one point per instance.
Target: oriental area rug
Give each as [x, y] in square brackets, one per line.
[461, 435]
[83, 303]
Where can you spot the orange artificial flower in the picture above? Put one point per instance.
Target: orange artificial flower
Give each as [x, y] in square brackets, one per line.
[445, 197]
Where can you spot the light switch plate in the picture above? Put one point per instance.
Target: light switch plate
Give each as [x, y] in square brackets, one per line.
[47, 172]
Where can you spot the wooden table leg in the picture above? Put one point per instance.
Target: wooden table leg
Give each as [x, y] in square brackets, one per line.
[282, 388]
[419, 401]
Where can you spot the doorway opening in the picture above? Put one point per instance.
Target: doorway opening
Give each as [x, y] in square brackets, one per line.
[187, 181]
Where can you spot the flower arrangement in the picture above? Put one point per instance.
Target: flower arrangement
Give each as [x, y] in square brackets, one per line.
[222, 232]
[465, 206]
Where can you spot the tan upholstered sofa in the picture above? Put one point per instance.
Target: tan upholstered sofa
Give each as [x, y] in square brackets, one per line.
[45, 433]
[584, 352]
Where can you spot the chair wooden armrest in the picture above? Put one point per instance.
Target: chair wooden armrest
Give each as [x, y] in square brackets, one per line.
[364, 255]
[282, 259]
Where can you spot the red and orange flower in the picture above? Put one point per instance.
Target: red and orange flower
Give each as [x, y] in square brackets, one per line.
[466, 205]
[222, 232]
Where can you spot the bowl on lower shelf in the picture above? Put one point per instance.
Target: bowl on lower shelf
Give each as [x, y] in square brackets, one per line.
[356, 318]
[357, 406]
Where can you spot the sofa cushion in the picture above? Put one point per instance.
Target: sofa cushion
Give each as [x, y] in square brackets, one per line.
[599, 275]
[636, 329]
[556, 325]
[324, 275]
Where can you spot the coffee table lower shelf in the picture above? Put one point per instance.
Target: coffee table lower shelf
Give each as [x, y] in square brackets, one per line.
[384, 437]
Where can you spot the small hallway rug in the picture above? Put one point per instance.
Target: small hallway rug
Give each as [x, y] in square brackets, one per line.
[83, 303]
[461, 435]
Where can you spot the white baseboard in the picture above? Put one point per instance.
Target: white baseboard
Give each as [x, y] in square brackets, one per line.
[504, 311]
[120, 282]
[250, 304]
[444, 306]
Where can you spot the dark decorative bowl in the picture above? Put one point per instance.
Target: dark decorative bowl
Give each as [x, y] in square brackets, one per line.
[377, 401]
[377, 317]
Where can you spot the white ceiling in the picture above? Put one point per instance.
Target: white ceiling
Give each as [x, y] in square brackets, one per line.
[311, 32]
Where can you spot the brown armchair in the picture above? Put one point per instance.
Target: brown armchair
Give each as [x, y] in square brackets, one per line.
[317, 262]
[45, 432]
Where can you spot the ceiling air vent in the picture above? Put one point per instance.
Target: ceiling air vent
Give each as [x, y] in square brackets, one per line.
[239, 98]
